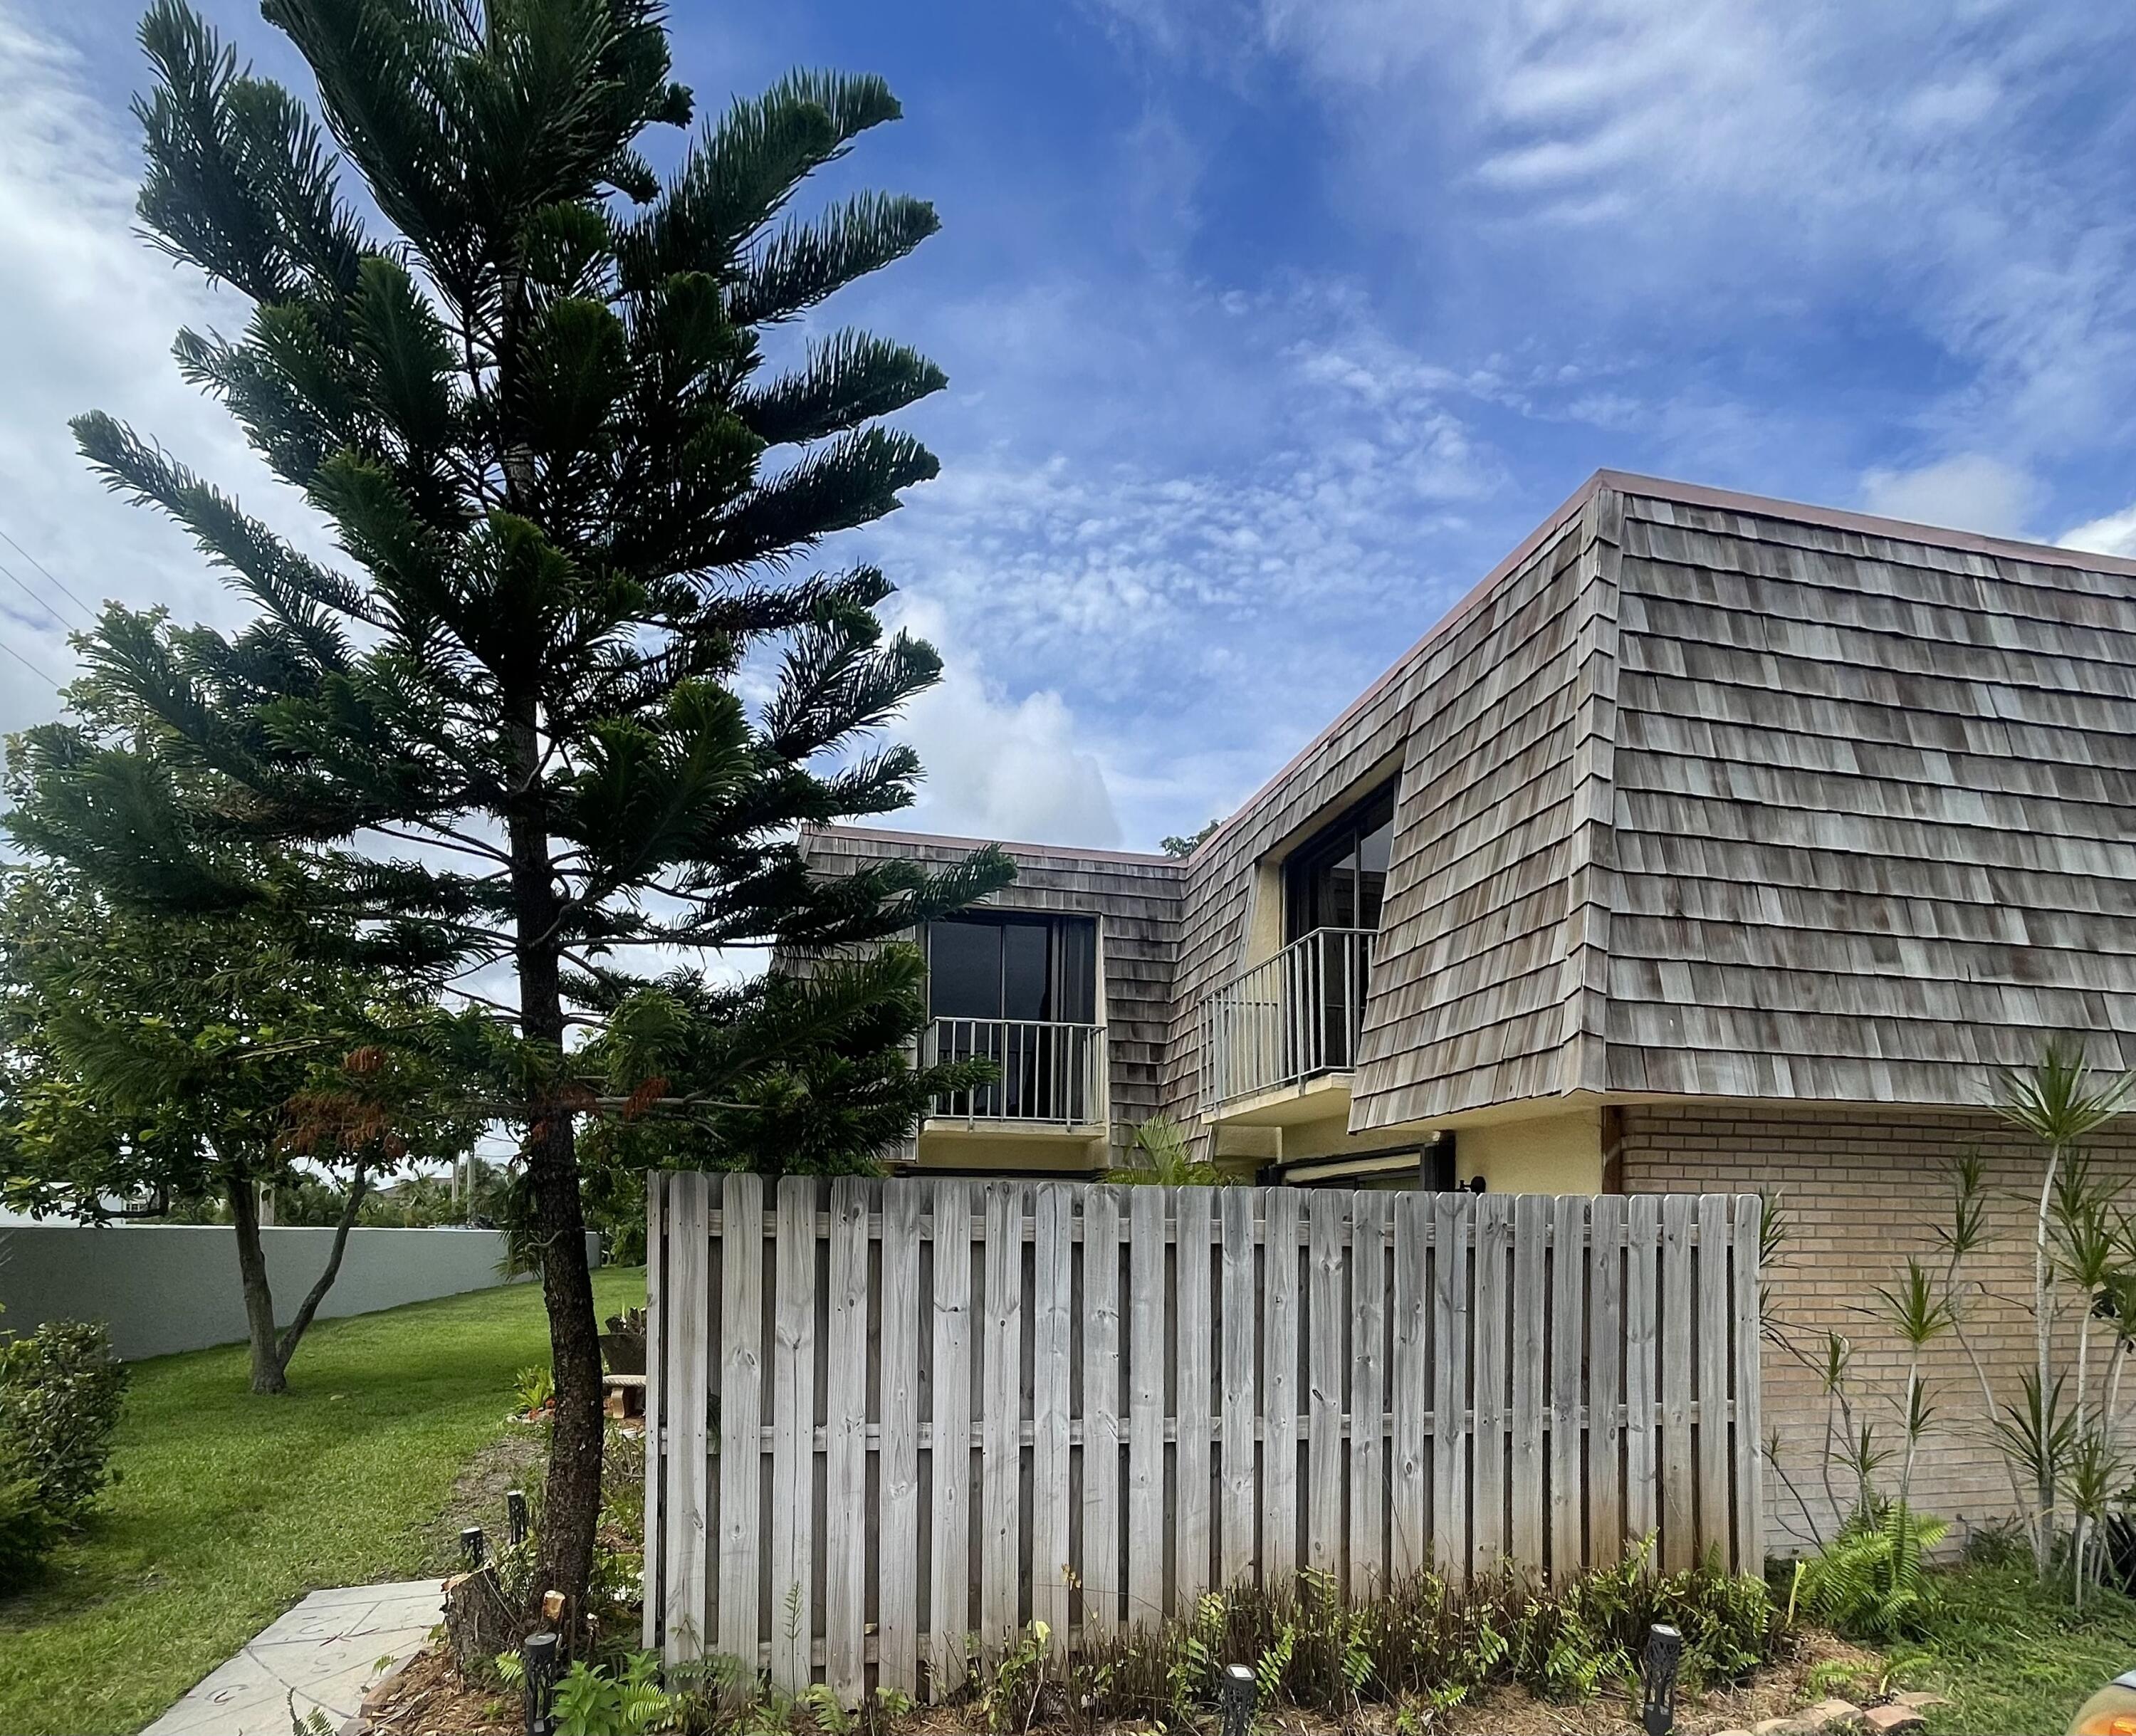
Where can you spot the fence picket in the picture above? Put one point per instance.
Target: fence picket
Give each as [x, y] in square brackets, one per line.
[1190, 1453]
[1643, 1214]
[741, 1412]
[1368, 1329]
[1456, 1380]
[1409, 1491]
[1605, 1361]
[1749, 1454]
[1239, 1513]
[1000, 1413]
[1568, 1355]
[1490, 1542]
[689, 1254]
[949, 1455]
[1279, 1388]
[1101, 1411]
[794, 1439]
[1678, 1481]
[1052, 1317]
[1146, 1347]
[897, 1550]
[845, 1444]
[657, 1310]
[1714, 1509]
[1526, 1351]
[1326, 1310]
[1449, 1382]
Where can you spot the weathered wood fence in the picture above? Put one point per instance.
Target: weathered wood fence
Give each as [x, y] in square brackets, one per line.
[886, 1416]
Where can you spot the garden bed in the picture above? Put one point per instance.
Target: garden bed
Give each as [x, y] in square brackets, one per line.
[429, 1698]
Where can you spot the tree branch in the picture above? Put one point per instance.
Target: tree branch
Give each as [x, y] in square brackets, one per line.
[285, 1346]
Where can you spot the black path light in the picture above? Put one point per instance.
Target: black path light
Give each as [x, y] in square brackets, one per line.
[475, 1548]
[1234, 1695]
[514, 1515]
[538, 1651]
[1664, 1654]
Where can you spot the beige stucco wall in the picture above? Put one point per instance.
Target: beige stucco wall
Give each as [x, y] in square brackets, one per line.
[1554, 1154]
[1036, 1153]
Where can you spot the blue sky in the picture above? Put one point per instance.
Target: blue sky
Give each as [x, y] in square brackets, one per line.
[1270, 326]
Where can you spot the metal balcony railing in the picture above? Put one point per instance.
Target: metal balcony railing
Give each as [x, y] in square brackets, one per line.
[1288, 1019]
[1048, 1073]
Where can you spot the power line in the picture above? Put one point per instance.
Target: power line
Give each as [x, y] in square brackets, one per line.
[33, 596]
[47, 573]
[27, 664]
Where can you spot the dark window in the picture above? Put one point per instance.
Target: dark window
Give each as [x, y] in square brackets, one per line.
[1037, 968]
[1338, 878]
[1001, 988]
[964, 970]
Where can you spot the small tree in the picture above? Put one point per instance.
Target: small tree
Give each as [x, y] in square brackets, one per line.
[148, 1063]
[2060, 1434]
[532, 402]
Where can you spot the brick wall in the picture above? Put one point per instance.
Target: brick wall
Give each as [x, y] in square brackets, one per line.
[1863, 1190]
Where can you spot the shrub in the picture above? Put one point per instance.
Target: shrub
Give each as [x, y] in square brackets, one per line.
[1423, 1642]
[60, 1391]
[27, 1527]
[60, 1395]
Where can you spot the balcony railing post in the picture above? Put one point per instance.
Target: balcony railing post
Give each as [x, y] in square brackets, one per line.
[1044, 1070]
[1290, 1017]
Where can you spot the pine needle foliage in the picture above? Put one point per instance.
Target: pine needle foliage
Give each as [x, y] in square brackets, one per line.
[571, 494]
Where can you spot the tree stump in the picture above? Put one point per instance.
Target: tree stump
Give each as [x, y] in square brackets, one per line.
[480, 1621]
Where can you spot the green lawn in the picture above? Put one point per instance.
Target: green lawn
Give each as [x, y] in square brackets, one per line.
[2013, 1660]
[230, 1508]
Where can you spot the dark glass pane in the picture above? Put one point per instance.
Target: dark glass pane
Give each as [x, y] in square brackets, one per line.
[964, 971]
[1338, 880]
[1076, 987]
[1338, 897]
[1374, 850]
[1023, 971]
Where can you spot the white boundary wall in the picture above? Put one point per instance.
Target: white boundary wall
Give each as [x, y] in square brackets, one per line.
[166, 1286]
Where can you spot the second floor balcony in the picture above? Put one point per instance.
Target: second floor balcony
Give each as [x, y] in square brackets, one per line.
[1289, 1020]
[1048, 1074]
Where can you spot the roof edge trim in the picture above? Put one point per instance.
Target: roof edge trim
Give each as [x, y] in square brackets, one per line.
[1068, 852]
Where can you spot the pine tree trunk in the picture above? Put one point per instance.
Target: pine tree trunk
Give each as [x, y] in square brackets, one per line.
[267, 1366]
[571, 1494]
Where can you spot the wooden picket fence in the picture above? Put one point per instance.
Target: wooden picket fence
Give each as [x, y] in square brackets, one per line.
[1147, 1393]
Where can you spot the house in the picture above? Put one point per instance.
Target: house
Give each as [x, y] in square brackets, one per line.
[1712, 842]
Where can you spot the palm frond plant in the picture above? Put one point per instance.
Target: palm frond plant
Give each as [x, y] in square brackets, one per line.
[1164, 1159]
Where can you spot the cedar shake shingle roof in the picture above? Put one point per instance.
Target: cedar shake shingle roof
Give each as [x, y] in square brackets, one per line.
[1775, 803]
[1699, 794]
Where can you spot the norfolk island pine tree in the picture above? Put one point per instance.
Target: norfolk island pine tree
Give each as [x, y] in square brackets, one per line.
[533, 409]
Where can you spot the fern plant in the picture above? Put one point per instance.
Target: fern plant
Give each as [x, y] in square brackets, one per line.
[1869, 1582]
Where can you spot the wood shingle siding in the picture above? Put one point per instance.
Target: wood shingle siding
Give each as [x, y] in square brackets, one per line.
[1135, 898]
[1873, 811]
[1698, 795]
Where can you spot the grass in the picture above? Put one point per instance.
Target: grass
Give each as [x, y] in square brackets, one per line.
[2012, 1658]
[230, 1507]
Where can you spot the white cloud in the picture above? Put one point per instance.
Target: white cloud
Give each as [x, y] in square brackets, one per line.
[2115, 534]
[89, 313]
[1008, 770]
[1740, 172]
[1969, 492]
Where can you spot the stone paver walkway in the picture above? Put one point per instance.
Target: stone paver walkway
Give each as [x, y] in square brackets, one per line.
[328, 1651]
